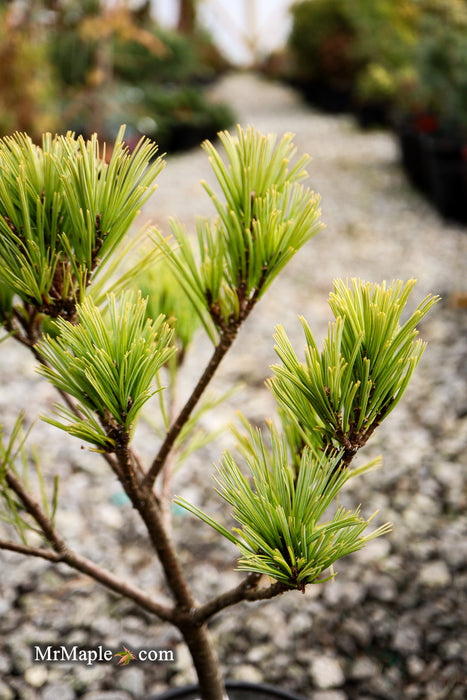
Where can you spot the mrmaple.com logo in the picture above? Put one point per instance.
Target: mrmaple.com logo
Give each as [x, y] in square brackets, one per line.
[65, 653]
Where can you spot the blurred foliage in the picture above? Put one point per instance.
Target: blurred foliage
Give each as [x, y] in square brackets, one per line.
[377, 32]
[441, 65]
[174, 58]
[27, 87]
[321, 39]
[81, 66]
[165, 296]
[409, 53]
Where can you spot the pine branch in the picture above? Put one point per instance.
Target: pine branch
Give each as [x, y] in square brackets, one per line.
[31, 551]
[248, 590]
[62, 553]
[147, 505]
[219, 353]
[111, 461]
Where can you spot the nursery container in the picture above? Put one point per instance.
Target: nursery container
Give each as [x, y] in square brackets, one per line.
[236, 690]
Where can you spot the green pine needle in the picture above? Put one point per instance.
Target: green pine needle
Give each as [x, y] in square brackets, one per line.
[266, 217]
[339, 395]
[63, 212]
[108, 364]
[280, 513]
[15, 459]
[158, 284]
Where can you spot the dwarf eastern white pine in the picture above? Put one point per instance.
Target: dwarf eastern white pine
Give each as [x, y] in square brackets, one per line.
[108, 340]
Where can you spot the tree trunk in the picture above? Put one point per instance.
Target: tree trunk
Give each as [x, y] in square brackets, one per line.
[187, 17]
[205, 660]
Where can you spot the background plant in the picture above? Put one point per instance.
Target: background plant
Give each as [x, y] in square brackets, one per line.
[441, 66]
[88, 67]
[27, 85]
[108, 355]
[392, 53]
[321, 40]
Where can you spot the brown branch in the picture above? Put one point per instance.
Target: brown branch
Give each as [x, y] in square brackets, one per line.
[148, 507]
[90, 568]
[228, 334]
[31, 551]
[166, 491]
[174, 431]
[34, 509]
[111, 461]
[137, 461]
[127, 473]
[112, 582]
[168, 467]
[247, 590]
[152, 517]
[62, 553]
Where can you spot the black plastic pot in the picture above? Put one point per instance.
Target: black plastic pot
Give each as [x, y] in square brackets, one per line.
[412, 153]
[186, 136]
[372, 114]
[329, 98]
[236, 690]
[446, 172]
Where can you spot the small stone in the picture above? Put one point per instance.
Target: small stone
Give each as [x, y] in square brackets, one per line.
[348, 593]
[132, 680]
[299, 623]
[86, 676]
[20, 653]
[383, 588]
[412, 691]
[326, 672]
[5, 665]
[382, 622]
[183, 658]
[106, 695]
[407, 638]
[6, 693]
[359, 631]
[105, 627]
[247, 673]
[132, 623]
[22, 690]
[4, 607]
[375, 550]
[111, 516]
[382, 687]
[363, 667]
[260, 652]
[435, 574]
[52, 691]
[329, 695]
[36, 676]
[454, 649]
[269, 620]
[415, 666]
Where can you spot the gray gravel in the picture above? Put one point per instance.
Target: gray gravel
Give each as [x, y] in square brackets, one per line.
[392, 624]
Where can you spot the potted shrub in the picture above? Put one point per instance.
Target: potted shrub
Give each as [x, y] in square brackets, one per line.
[433, 102]
[442, 70]
[28, 88]
[116, 64]
[385, 35]
[349, 55]
[321, 41]
[65, 210]
[374, 94]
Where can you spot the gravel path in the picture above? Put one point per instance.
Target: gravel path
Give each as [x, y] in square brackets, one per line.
[392, 624]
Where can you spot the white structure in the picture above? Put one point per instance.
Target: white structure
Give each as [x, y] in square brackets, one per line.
[243, 29]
